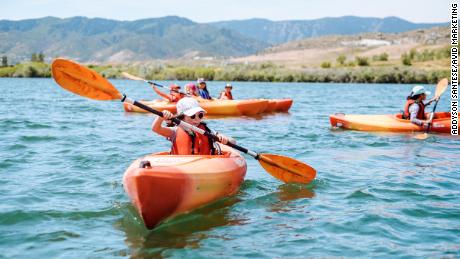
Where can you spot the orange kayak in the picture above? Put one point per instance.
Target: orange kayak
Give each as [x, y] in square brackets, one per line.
[271, 107]
[214, 107]
[391, 123]
[278, 105]
[162, 186]
[283, 105]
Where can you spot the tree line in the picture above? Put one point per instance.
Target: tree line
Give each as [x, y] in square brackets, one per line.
[344, 72]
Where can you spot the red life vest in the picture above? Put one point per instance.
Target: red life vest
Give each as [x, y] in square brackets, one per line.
[185, 143]
[228, 95]
[421, 110]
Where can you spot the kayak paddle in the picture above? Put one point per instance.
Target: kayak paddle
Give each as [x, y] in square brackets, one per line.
[133, 77]
[440, 89]
[85, 82]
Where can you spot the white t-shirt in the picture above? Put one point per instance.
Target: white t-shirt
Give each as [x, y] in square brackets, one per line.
[413, 111]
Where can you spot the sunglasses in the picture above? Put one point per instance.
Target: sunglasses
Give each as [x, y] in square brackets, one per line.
[200, 115]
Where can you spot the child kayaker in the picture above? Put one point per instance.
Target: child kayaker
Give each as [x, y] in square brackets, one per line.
[414, 110]
[185, 142]
[227, 93]
[174, 93]
[202, 89]
[191, 90]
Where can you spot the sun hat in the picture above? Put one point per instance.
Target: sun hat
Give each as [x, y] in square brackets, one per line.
[228, 85]
[200, 81]
[188, 106]
[418, 89]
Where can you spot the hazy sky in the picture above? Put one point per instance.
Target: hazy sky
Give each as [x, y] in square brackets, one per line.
[218, 10]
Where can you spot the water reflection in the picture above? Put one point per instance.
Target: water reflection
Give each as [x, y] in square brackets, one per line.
[183, 231]
[188, 231]
[290, 192]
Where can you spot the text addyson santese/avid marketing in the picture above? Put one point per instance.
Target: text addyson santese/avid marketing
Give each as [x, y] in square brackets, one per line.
[454, 69]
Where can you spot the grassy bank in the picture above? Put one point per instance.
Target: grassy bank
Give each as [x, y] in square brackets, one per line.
[28, 69]
[266, 72]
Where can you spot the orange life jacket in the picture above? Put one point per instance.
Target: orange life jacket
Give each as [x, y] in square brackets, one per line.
[185, 143]
[228, 95]
[421, 110]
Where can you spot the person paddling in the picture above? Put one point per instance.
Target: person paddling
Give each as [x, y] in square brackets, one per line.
[187, 142]
[227, 93]
[414, 110]
[202, 89]
[174, 93]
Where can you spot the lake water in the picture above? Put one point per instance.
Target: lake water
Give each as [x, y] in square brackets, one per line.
[62, 158]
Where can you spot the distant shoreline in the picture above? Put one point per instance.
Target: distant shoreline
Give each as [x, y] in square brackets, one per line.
[249, 73]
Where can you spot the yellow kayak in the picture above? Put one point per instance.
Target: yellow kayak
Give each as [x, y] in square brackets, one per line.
[212, 107]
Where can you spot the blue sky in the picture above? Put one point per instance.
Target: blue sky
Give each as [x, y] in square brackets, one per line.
[218, 10]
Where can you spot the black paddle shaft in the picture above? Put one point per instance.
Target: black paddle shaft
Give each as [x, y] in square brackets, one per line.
[178, 122]
[432, 116]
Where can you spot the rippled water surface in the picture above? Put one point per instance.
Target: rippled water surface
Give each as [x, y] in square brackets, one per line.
[62, 158]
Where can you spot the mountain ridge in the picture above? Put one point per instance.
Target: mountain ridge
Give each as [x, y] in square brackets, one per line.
[288, 30]
[171, 37]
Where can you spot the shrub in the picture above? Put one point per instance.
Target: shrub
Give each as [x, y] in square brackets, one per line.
[362, 61]
[381, 57]
[326, 64]
[351, 64]
[406, 59]
[341, 59]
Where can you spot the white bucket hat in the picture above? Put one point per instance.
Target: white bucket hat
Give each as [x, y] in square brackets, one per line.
[418, 89]
[188, 106]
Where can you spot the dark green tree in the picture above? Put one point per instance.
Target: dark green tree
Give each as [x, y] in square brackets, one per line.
[34, 57]
[41, 57]
[37, 57]
[4, 61]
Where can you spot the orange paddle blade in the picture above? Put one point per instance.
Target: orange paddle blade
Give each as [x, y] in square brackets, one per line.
[441, 87]
[132, 77]
[287, 169]
[83, 81]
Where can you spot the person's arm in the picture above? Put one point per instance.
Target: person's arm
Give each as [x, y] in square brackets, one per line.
[413, 111]
[431, 100]
[159, 129]
[160, 93]
[223, 96]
